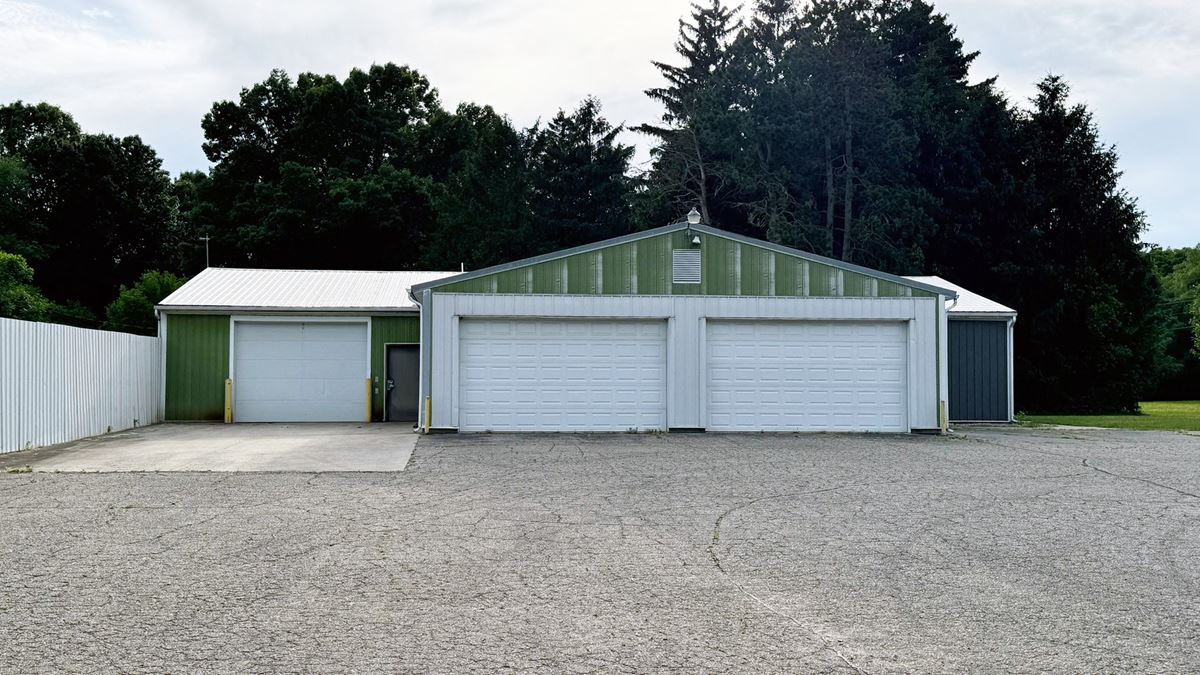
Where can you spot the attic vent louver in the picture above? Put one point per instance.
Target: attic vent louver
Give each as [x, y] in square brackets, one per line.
[685, 266]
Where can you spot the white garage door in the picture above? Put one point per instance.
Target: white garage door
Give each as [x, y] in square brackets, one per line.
[299, 372]
[806, 376]
[562, 375]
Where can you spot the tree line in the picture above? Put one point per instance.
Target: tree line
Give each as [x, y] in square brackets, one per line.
[844, 127]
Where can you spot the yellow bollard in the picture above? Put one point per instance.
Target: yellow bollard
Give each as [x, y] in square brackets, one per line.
[228, 401]
[368, 418]
[428, 415]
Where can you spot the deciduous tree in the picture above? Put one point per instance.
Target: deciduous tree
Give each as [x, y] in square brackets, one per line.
[19, 298]
[92, 211]
[133, 310]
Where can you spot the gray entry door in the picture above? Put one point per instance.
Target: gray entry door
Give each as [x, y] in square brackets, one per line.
[402, 384]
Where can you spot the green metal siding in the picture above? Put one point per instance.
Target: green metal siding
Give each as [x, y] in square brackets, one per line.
[387, 330]
[198, 362]
[789, 276]
[643, 267]
[654, 265]
[197, 366]
[618, 265]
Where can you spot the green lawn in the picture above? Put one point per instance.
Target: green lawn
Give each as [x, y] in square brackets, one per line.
[1156, 415]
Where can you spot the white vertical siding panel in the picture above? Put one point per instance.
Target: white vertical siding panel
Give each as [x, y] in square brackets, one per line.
[60, 383]
[442, 372]
[923, 404]
[943, 355]
[633, 281]
[684, 408]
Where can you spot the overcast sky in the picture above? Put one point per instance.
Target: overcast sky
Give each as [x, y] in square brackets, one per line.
[153, 68]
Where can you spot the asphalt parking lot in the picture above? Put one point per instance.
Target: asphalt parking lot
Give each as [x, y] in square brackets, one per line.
[998, 550]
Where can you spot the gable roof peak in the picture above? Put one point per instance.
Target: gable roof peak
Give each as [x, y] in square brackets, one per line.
[701, 229]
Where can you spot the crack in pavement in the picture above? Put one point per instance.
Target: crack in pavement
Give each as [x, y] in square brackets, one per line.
[1085, 462]
[826, 641]
[1140, 480]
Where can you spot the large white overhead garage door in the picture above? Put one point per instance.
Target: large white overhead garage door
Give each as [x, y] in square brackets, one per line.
[299, 371]
[806, 376]
[562, 375]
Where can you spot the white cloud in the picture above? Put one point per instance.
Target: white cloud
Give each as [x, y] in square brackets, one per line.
[154, 68]
[169, 62]
[97, 13]
[1136, 65]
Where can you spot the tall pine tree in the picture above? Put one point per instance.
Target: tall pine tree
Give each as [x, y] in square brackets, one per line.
[694, 139]
[1091, 337]
[579, 192]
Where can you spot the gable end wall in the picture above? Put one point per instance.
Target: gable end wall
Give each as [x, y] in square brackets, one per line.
[643, 267]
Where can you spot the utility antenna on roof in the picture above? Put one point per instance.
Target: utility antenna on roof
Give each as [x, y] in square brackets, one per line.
[205, 240]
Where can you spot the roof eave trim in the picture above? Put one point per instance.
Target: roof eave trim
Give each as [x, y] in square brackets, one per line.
[288, 310]
[982, 315]
[682, 225]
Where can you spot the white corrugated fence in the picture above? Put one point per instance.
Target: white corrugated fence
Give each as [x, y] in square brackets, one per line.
[59, 383]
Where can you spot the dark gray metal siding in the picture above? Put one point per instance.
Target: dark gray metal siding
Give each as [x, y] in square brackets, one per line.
[978, 371]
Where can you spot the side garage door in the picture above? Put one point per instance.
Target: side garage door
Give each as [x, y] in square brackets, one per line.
[299, 372]
[562, 375]
[806, 376]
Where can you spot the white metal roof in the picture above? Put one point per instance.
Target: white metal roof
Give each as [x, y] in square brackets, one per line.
[284, 290]
[968, 302]
[220, 288]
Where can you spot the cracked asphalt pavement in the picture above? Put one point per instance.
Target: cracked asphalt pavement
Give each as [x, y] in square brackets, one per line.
[997, 550]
